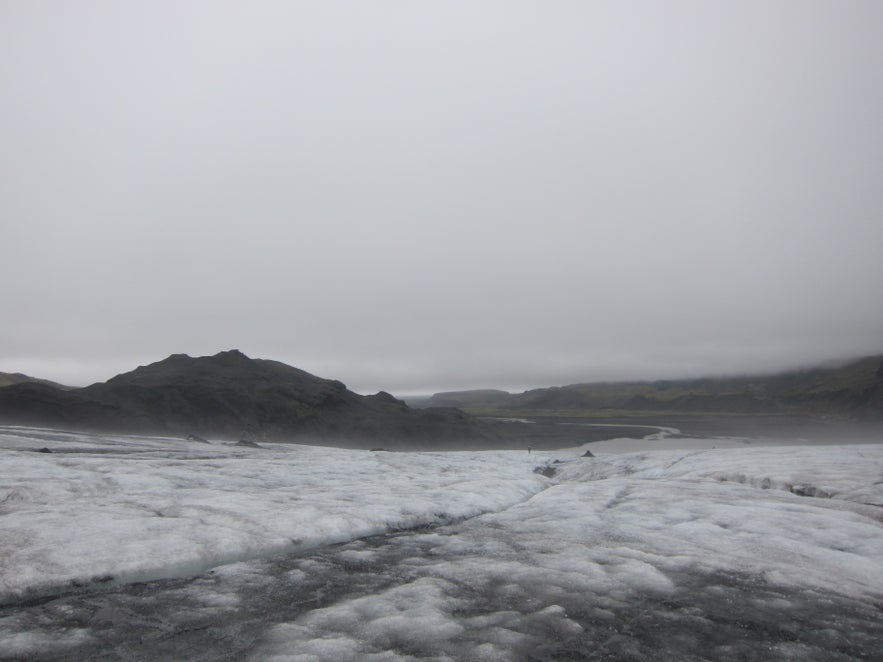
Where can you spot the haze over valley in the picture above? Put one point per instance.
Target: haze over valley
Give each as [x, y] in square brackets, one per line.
[492, 330]
[419, 199]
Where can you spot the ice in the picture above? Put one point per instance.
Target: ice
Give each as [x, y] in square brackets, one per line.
[772, 552]
[124, 509]
[647, 554]
[25, 645]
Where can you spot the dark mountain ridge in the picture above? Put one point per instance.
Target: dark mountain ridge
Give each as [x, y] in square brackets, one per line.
[230, 395]
[10, 378]
[852, 390]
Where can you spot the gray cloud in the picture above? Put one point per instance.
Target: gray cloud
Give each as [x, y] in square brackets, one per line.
[415, 196]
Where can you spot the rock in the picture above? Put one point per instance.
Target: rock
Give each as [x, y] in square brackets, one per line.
[809, 491]
[587, 454]
[248, 443]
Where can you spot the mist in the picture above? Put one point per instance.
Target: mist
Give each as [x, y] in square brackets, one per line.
[415, 197]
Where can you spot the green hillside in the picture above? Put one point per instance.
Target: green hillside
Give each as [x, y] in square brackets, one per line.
[853, 390]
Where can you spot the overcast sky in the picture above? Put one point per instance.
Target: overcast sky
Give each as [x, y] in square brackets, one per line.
[418, 196]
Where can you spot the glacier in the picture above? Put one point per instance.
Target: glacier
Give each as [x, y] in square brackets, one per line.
[128, 547]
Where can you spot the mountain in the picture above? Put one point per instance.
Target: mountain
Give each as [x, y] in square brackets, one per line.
[852, 390]
[10, 378]
[475, 399]
[230, 395]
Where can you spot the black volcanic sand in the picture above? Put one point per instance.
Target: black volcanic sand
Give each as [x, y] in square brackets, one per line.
[552, 432]
[792, 428]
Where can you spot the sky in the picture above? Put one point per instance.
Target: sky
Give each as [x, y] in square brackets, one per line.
[424, 196]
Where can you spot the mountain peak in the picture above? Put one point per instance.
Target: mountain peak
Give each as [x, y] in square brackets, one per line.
[230, 353]
[230, 357]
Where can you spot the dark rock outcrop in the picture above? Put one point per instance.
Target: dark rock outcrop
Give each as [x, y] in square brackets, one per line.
[248, 443]
[547, 471]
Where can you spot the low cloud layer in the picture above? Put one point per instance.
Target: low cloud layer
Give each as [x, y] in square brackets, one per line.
[417, 197]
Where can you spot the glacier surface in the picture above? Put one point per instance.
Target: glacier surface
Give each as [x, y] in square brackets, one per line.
[126, 547]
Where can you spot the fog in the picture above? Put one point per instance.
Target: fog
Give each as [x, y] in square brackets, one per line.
[417, 197]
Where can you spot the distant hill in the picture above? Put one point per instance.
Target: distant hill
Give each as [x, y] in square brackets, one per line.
[478, 398]
[853, 390]
[233, 396]
[10, 378]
